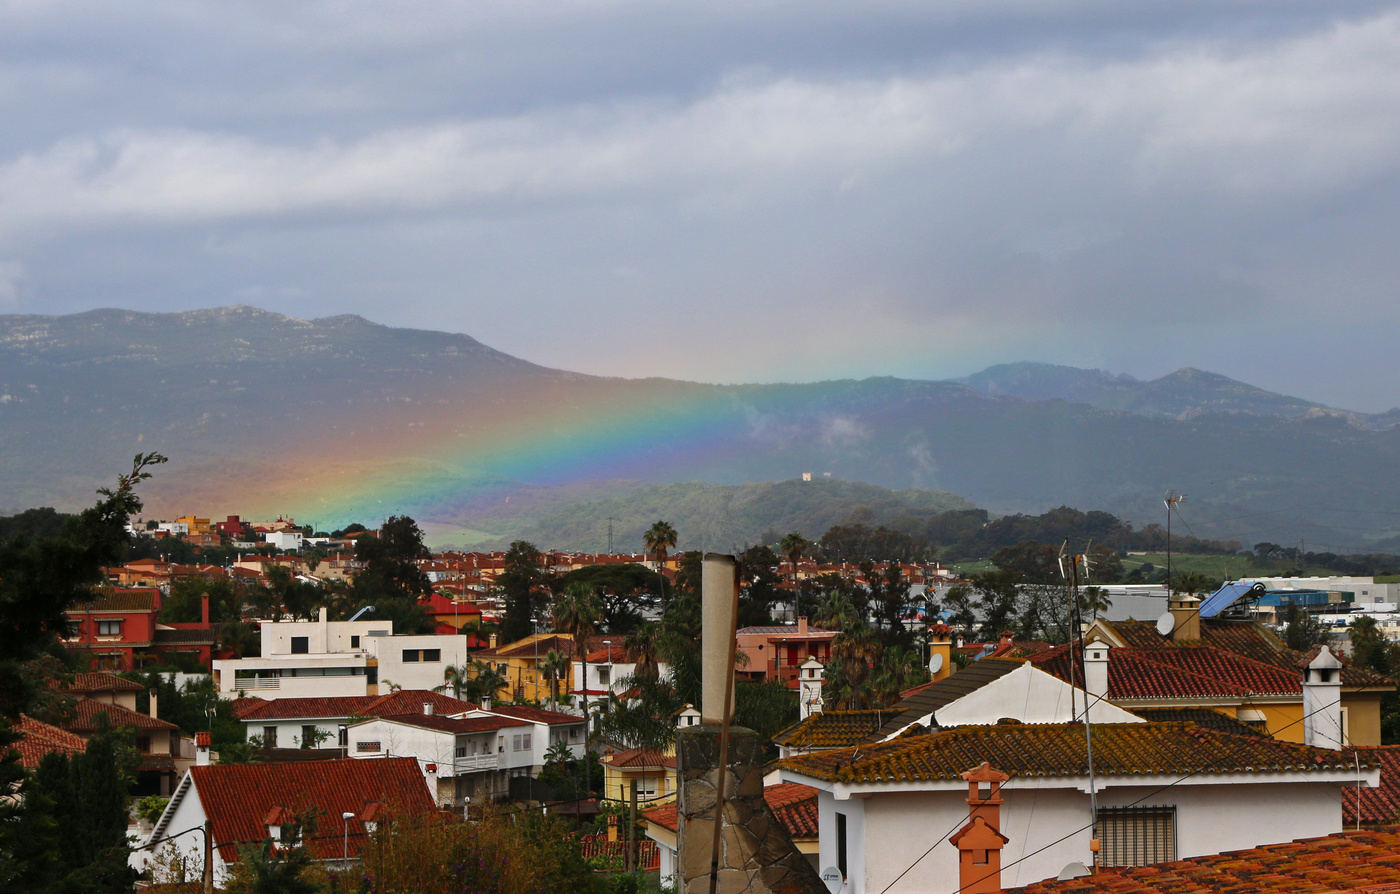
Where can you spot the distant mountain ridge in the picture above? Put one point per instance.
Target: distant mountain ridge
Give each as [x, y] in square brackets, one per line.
[1182, 394]
[341, 419]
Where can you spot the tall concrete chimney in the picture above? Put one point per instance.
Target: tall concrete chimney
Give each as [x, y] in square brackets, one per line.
[1322, 701]
[202, 742]
[1186, 612]
[718, 579]
[979, 843]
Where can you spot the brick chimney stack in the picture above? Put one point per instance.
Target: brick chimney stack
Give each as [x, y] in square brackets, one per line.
[979, 843]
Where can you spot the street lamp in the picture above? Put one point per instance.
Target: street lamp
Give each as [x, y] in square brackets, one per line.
[608, 643]
[345, 851]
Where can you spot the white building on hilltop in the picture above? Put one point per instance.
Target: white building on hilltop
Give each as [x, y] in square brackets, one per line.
[325, 659]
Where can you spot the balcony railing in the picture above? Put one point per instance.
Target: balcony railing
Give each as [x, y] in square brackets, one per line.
[257, 683]
[476, 762]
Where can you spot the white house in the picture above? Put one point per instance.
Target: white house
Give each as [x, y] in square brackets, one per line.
[325, 659]
[247, 803]
[609, 670]
[321, 722]
[472, 754]
[1164, 791]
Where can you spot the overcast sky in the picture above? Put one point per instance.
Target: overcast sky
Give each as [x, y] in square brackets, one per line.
[731, 191]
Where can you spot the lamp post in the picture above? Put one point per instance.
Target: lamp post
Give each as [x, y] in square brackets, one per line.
[345, 850]
[608, 643]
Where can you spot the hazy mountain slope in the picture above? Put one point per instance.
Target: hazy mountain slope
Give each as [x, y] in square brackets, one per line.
[340, 419]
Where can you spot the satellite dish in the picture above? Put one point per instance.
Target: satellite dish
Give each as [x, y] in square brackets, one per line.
[833, 879]
[1073, 870]
[935, 662]
[1166, 624]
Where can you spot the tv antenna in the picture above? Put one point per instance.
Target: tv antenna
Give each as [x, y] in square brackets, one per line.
[610, 521]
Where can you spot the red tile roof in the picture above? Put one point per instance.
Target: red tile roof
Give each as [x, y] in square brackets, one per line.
[287, 708]
[640, 758]
[87, 712]
[452, 724]
[238, 797]
[538, 715]
[794, 804]
[100, 681]
[119, 599]
[406, 701]
[1368, 860]
[1379, 805]
[1194, 671]
[1120, 749]
[614, 853]
[39, 738]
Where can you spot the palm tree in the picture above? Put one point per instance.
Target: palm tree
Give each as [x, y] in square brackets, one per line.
[855, 649]
[485, 681]
[659, 539]
[454, 677]
[555, 666]
[793, 546]
[642, 646]
[577, 611]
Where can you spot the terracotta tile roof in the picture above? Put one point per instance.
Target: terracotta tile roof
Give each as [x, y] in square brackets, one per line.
[1368, 860]
[87, 712]
[833, 729]
[237, 798]
[794, 804]
[615, 853]
[39, 738]
[1195, 671]
[1122, 749]
[1202, 717]
[99, 681]
[175, 636]
[537, 715]
[407, 701]
[639, 758]
[286, 708]
[1379, 805]
[246, 703]
[1013, 649]
[928, 699]
[119, 599]
[451, 724]
[787, 630]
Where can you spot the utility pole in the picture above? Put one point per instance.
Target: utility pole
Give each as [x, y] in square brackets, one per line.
[208, 880]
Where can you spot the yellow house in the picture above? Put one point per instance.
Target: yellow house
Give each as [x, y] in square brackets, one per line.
[653, 773]
[519, 662]
[1238, 669]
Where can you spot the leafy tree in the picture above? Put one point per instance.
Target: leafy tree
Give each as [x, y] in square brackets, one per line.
[758, 572]
[1191, 583]
[1302, 630]
[184, 605]
[454, 677]
[522, 581]
[619, 586]
[555, 666]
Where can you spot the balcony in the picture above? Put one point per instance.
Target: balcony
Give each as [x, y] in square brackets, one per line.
[251, 683]
[475, 763]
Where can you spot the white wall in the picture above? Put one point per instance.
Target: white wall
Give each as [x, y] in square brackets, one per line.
[189, 814]
[451, 648]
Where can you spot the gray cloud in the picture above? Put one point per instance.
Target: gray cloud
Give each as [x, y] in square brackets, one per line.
[887, 188]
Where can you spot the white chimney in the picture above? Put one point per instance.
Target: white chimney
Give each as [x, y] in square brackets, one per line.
[1322, 701]
[809, 688]
[428, 708]
[1096, 670]
[202, 741]
[155, 707]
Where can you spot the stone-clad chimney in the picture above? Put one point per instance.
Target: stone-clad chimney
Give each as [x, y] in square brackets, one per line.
[979, 843]
[1322, 701]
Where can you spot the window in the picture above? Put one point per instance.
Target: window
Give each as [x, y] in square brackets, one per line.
[367, 747]
[309, 737]
[841, 844]
[501, 744]
[410, 655]
[355, 642]
[515, 743]
[1137, 836]
[432, 654]
[269, 737]
[603, 674]
[526, 746]
[109, 628]
[301, 645]
[460, 751]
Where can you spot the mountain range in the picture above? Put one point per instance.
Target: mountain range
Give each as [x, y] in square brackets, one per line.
[340, 419]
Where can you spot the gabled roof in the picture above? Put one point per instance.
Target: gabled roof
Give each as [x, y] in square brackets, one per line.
[640, 759]
[928, 699]
[39, 738]
[455, 725]
[834, 729]
[85, 718]
[98, 681]
[1183, 671]
[1347, 861]
[1202, 717]
[787, 631]
[535, 715]
[119, 599]
[289, 708]
[1380, 804]
[1120, 749]
[237, 798]
[794, 804]
[406, 701]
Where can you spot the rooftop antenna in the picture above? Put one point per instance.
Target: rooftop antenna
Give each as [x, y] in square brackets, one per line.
[1170, 501]
[610, 545]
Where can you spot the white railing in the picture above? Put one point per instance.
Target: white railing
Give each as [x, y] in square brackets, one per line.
[257, 683]
[476, 762]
